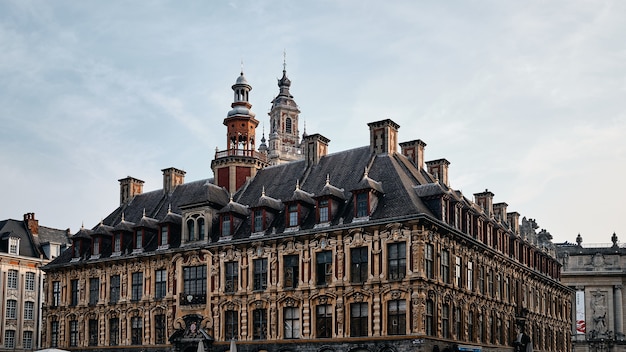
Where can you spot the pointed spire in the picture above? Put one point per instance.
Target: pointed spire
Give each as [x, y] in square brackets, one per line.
[169, 208]
[263, 192]
[284, 60]
[122, 216]
[297, 185]
[144, 212]
[366, 172]
[327, 179]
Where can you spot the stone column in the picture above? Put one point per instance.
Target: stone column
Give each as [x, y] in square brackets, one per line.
[619, 311]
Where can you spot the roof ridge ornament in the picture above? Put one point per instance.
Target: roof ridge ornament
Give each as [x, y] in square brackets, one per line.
[122, 217]
[297, 185]
[327, 179]
[263, 191]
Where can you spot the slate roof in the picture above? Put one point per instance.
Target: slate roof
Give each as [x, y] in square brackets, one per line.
[30, 246]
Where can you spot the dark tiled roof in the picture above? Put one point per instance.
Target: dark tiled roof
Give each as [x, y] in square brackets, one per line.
[31, 246]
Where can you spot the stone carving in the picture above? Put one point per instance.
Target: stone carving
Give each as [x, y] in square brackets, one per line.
[599, 308]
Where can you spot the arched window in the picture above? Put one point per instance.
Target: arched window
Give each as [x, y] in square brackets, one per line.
[201, 229]
[288, 125]
[191, 230]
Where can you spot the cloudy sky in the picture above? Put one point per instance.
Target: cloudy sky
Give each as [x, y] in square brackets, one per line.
[522, 97]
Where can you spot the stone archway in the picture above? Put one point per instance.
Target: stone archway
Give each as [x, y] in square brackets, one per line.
[190, 335]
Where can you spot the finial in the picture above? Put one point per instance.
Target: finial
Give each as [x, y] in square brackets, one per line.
[327, 179]
[169, 208]
[242, 65]
[366, 172]
[297, 185]
[284, 60]
[122, 216]
[144, 212]
[82, 225]
[102, 223]
[263, 192]
[231, 197]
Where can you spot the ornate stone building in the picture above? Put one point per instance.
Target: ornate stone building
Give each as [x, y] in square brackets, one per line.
[24, 248]
[368, 249]
[596, 273]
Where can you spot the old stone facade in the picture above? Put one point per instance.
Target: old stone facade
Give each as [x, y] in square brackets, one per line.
[367, 249]
[596, 273]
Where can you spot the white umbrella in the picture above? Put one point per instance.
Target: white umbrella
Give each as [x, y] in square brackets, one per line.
[200, 346]
[51, 350]
[233, 347]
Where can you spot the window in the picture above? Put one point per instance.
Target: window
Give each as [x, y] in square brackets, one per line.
[29, 283]
[430, 321]
[93, 332]
[136, 337]
[231, 325]
[226, 225]
[94, 290]
[56, 293]
[54, 333]
[12, 279]
[191, 229]
[358, 265]
[139, 239]
[259, 324]
[323, 210]
[481, 279]
[137, 286]
[115, 289]
[430, 262]
[490, 283]
[11, 309]
[481, 328]
[324, 321]
[232, 277]
[293, 215]
[324, 267]
[445, 320]
[470, 326]
[14, 245]
[445, 266]
[397, 260]
[9, 338]
[159, 328]
[160, 283]
[73, 333]
[200, 229]
[358, 319]
[292, 271]
[96, 246]
[470, 276]
[457, 272]
[396, 317]
[74, 292]
[29, 309]
[117, 242]
[287, 125]
[114, 331]
[361, 205]
[27, 340]
[292, 323]
[258, 220]
[164, 235]
[260, 274]
[195, 283]
[457, 323]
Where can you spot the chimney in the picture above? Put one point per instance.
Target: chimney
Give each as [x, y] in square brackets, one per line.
[513, 219]
[439, 169]
[315, 146]
[172, 177]
[485, 200]
[414, 151]
[499, 210]
[31, 223]
[383, 136]
[129, 187]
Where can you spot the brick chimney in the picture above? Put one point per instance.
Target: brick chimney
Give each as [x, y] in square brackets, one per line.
[315, 146]
[485, 200]
[414, 151]
[129, 187]
[31, 223]
[513, 219]
[439, 169]
[383, 136]
[499, 210]
[172, 177]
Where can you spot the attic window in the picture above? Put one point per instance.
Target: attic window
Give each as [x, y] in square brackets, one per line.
[138, 238]
[96, 246]
[117, 242]
[164, 235]
[361, 204]
[258, 220]
[323, 210]
[293, 215]
[14, 245]
[227, 225]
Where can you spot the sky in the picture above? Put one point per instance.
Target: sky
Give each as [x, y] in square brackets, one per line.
[523, 98]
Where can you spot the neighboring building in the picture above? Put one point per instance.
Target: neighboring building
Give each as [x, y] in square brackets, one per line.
[597, 274]
[24, 248]
[367, 249]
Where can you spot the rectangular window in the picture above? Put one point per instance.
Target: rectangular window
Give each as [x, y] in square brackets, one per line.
[159, 328]
[293, 215]
[12, 279]
[260, 274]
[74, 293]
[231, 325]
[114, 295]
[54, 333]
[139, 239]
[324, 321]
[292, 271]
[324, 267]
[358, 319]
[259, 324]
[445, 266]
[445, 320]
[29, 310]
[114, 331]
[93, 332]
[430, 261]
[457, 323]
[27, 340]
[9, 338]
[429, 324]
[160, 283]
[292, 323]
[164, 235]
[361, 205]
[397, 260]
[470, 326]
[117, 242]
[481, 279]
[258, 220]
[322, 207]
[137, 286]
[470, 276]
[136, 332]
[195, 280]
[29, 284]
[226, 225]
[14, 245]
[396, 317]
[73, 333]
[232, 277]
[96, 246]
[490, 283]
[11, 309]
[457, 272]
[94, 290]
[358, 265]
[56, 293]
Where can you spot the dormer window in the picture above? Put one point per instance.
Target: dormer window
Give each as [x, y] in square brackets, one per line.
[117, 242]
[258, 220]
[96, 246]
[76, 249]
[138, 238]
[164, 235]
[191, 230]
[361, 204]
[227, 225]
[292, 214]
[14, 245]
[323, 210]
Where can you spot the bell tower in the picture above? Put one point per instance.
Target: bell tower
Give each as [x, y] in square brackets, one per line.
[239, 162]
